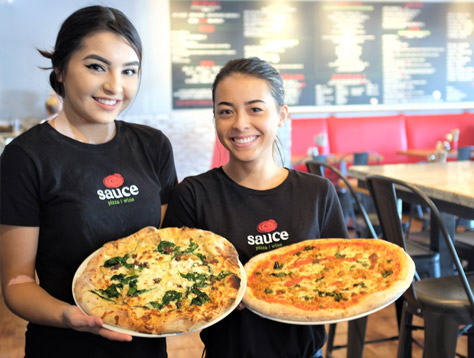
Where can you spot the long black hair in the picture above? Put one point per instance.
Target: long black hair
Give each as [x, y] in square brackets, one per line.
[82, 23]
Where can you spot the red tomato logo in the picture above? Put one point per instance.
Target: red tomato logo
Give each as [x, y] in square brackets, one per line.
[113, 180]
[267, 226]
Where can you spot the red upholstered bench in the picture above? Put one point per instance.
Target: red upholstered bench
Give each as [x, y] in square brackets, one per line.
[382, 134]
[466, 135]
[303, 133]
[220, 156]
[424, 131]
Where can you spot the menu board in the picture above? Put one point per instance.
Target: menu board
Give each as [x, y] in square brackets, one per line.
[329, 53]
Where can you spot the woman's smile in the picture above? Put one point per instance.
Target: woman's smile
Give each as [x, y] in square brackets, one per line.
[244, 140]
[107, 104]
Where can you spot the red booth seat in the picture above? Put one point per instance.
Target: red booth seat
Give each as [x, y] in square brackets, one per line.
[303, 133]
[423, 131]
[220, 155]
[384, 135]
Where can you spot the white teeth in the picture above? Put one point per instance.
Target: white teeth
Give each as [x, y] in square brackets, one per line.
[108, 102]
[245, 140]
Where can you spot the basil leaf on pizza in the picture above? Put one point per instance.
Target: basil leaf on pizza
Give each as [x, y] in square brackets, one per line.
[164, 281]
[327, 279]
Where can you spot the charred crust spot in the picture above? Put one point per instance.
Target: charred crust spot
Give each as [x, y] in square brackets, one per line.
[234, 281]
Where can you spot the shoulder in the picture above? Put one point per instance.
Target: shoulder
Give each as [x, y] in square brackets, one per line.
[33, 135]
[302, 178]
[199, 186]
[202, 181]
[142, 132]
[29, 141]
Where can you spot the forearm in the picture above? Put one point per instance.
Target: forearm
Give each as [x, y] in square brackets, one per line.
[34, 304]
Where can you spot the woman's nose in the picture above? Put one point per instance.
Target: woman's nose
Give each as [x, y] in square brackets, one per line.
[113, 83]
[241, 121]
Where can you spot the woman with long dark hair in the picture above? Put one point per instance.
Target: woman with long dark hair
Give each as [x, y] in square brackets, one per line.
[63, 181]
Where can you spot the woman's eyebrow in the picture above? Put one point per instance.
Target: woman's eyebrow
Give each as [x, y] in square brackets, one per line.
[223, 103]
[97, 57]
[133, 63]
[254, 101]
[107, 62]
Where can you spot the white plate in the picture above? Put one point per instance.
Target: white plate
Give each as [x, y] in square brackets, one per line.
[349, 318]
[240, 295]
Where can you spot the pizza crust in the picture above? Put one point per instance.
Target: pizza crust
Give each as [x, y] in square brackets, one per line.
[287, 311]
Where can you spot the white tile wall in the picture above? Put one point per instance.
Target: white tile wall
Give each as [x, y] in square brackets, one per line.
[191, 134]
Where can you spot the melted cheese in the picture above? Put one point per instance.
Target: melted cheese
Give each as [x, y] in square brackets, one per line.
[313, 277]
[159, 273]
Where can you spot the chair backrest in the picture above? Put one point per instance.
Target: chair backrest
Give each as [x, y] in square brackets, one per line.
[317, 167]
[320, 157]
[464, 153]
[383, 192]
[361, 158]
[358, 158]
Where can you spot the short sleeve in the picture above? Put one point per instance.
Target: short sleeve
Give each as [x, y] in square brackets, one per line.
[181, 209]
[19, 198]
[167, 174]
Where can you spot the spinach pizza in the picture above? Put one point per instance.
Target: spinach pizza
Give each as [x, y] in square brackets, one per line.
[161, 281]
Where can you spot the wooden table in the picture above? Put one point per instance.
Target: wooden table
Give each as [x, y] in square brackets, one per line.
[450, 186]
[427, 154]
[334, 158]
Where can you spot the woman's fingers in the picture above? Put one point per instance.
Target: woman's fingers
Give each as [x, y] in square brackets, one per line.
[92, 324]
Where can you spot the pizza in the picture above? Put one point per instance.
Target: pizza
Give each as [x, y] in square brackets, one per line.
[164, 281]
[327, 279]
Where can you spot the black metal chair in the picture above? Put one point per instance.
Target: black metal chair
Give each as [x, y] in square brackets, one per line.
[444, 303]
[357, 158]
[318, 167]
[464, 153]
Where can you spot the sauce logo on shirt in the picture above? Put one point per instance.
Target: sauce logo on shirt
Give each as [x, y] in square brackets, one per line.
[113, 181]
[116, 193]
[268, 238]
[267, 226]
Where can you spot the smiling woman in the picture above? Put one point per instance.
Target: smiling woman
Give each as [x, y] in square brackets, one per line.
[256, 204]
[77, 181]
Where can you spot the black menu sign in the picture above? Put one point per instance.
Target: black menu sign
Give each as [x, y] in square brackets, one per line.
[329, 53]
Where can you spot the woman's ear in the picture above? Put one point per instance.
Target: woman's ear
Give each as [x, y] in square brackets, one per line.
[283, 115]
[59, 76]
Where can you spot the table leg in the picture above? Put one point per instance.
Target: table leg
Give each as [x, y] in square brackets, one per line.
[356, 337]
[438, 244]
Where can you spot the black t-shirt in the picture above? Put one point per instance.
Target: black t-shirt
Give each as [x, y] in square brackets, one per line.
[81, 196]
[303, 207]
